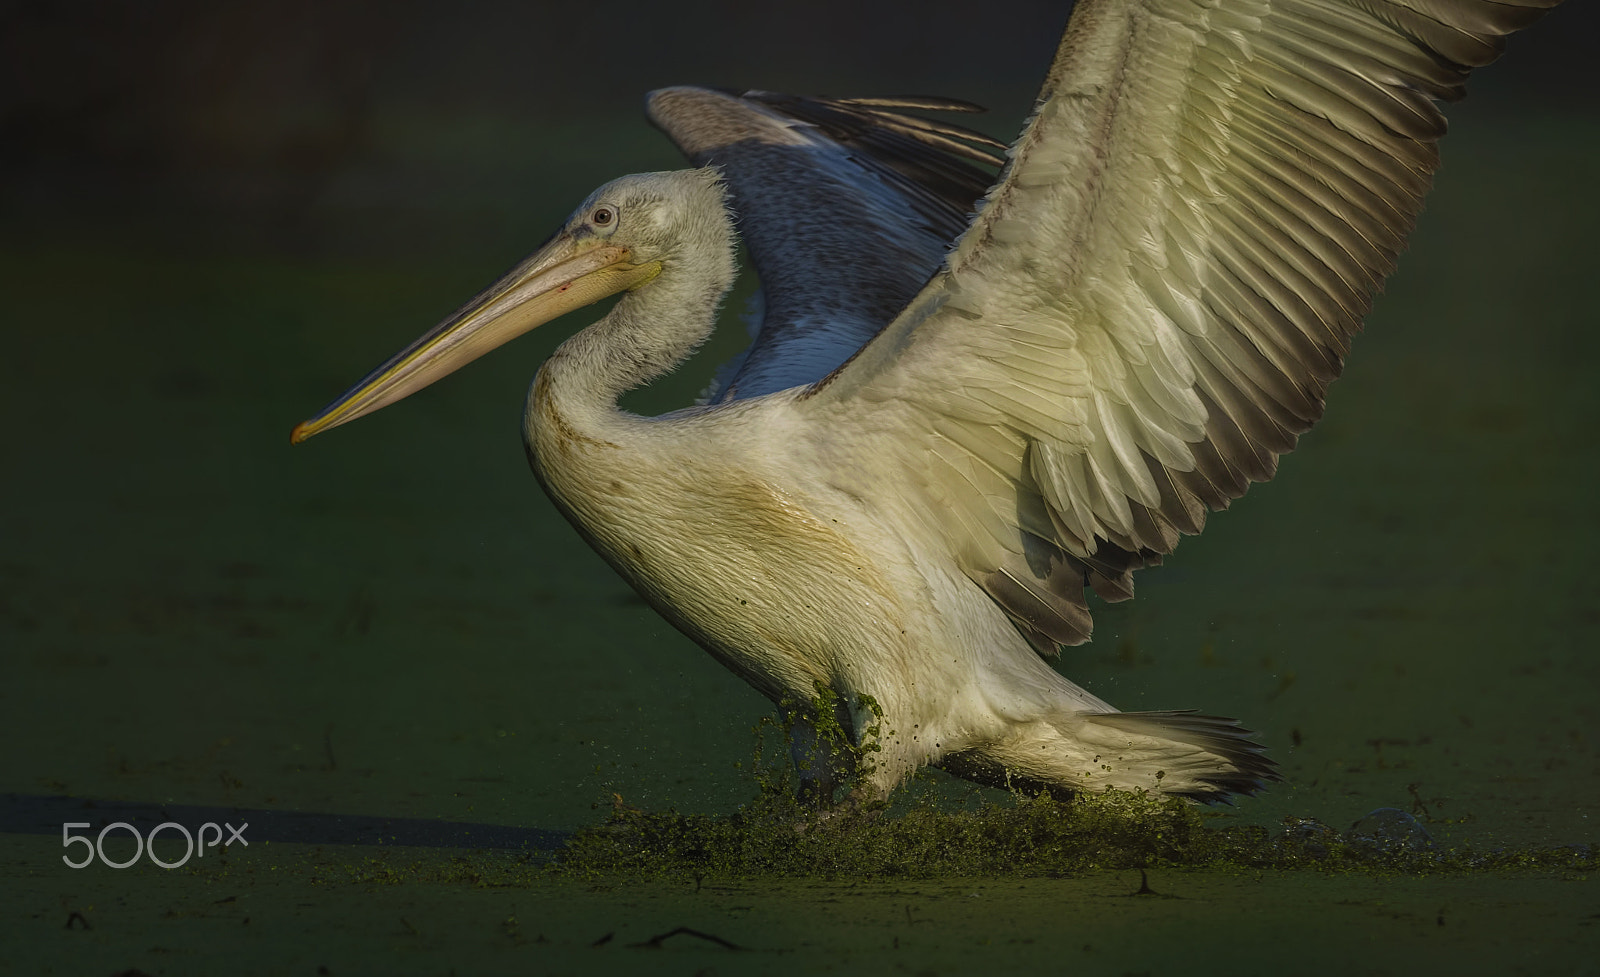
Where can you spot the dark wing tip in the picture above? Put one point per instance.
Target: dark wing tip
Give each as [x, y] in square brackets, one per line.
[922, 103]
[861, 119]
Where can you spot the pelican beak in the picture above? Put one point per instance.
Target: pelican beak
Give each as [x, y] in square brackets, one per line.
[566, 274]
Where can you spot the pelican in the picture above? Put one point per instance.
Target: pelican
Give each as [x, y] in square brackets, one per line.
[967, 405]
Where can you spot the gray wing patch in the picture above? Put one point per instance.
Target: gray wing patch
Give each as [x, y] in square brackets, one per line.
[846, 207]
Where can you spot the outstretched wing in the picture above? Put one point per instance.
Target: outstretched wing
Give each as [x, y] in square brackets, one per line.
[1154, 299]
[847, 207]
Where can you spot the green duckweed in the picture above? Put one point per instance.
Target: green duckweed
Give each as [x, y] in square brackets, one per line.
[922, 836]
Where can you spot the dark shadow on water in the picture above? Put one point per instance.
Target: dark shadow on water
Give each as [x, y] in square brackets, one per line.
[45, 814]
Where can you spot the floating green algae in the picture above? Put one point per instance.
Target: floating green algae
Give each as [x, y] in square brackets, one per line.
[1028, 837]
[922, 836]
[927, 833]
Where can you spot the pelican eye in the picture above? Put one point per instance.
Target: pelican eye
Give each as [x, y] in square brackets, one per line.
[603, 216]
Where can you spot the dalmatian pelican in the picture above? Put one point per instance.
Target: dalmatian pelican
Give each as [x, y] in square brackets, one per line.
[967, 405]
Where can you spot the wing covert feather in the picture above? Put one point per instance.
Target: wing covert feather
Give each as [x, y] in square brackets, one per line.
[846, 207]
[1152, 302]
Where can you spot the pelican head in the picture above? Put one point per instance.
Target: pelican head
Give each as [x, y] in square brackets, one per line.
[618, 240]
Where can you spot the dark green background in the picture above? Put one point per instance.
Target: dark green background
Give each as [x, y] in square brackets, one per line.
[217, 216]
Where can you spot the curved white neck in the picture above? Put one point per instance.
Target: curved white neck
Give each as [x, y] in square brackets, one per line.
[647, 334]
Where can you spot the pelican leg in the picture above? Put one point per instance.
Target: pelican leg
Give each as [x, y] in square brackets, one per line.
[822, 751]
[818, 782]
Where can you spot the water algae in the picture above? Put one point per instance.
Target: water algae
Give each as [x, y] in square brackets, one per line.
[919, 836]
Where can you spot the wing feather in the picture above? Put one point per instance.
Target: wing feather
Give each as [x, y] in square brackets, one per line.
[1151, 303]
[846, 206]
